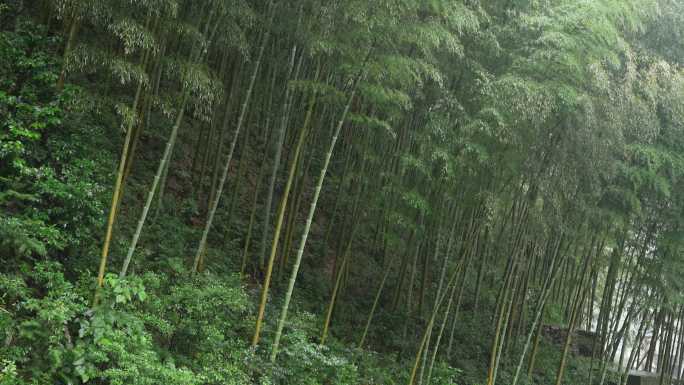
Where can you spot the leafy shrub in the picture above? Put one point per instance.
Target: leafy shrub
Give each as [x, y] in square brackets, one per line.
[199, 320]
[184, 333]
[50, 197]
[307, 362]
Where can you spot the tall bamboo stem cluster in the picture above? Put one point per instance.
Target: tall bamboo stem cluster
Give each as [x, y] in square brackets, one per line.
[442, 164]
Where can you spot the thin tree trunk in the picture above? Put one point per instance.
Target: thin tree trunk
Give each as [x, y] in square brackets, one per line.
[150, 196]
[333, 297]
[576, 309]
[448, 308]
[375, 305]
[117, 191]
[411, 284]
[634, 354]
[491, 373]
[194, 56]
[428, 329]
[309, 219]
[250, 227]
[506, 322]
[279, 221]
[276, 163]
[544, 296]
[226, 167]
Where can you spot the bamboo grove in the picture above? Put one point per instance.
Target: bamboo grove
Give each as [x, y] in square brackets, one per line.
[442, 165]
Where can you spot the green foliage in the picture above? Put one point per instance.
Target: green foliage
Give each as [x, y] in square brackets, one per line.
[307, 362]
[147, 330]
[139, 333]
[49, 193]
